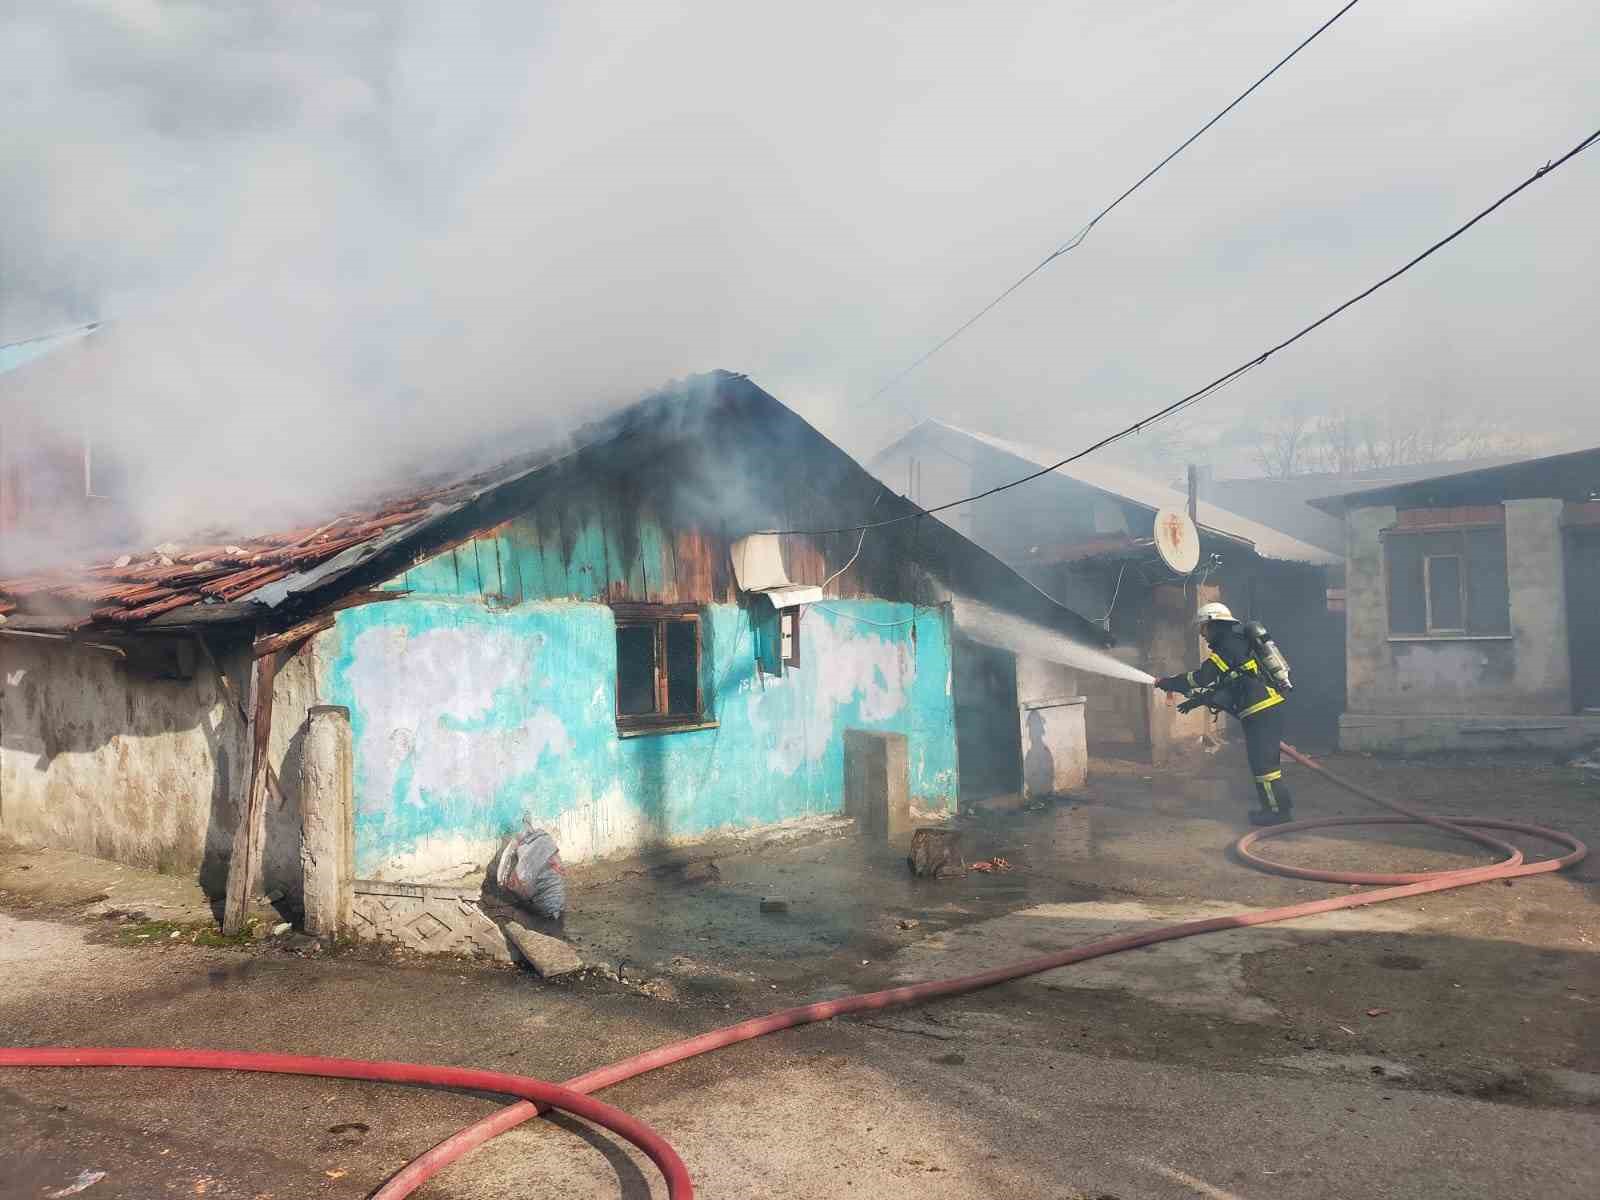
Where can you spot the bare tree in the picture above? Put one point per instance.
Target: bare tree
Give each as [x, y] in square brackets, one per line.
[1162, 449]
[1284, 444]
[1350, 438]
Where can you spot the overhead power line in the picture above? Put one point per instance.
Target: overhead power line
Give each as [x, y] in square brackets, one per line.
[1228, 377]
[1077, 239]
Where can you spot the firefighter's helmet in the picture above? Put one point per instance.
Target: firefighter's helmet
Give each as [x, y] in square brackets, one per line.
[1214, 612]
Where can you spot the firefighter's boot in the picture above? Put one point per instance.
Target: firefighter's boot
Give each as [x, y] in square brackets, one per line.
[1277, 806]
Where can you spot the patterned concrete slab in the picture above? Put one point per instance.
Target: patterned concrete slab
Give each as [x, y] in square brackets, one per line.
[428, 918]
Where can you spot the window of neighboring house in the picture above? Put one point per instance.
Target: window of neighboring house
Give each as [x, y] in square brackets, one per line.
[658, 668]
[789, 635]
[1441, 580]
[1448, 582]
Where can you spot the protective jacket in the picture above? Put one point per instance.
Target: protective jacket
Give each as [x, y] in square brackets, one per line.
[1230, 679]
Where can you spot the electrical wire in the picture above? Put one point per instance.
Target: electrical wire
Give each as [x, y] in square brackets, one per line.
[859, 543]
[1228, 377]
[834, 612]
[1078, 238]
[1117, 591]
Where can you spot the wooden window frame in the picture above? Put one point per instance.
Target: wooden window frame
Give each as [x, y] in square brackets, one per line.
[792, 615]
[1432, 629]
[659, 617]
[1472, 628]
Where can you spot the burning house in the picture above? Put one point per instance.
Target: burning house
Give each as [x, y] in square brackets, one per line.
[602, 641]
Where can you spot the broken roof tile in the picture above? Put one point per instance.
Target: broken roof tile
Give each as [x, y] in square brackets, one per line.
[219, 564]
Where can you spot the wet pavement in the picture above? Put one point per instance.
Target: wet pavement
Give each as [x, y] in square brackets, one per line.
[1246, 1065]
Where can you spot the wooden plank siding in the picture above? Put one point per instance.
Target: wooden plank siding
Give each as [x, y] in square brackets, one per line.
[652, 521]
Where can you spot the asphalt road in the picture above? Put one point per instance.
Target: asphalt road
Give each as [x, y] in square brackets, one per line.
[997, 1094]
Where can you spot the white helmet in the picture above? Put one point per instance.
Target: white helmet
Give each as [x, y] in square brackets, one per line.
[1214, 612]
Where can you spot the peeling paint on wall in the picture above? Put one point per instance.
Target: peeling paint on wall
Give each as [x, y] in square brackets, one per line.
[469, 722]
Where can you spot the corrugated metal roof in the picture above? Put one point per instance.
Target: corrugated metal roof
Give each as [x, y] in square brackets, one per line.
[1148, 493]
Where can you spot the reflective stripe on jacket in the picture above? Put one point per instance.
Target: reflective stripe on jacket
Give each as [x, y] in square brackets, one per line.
[1231, 679]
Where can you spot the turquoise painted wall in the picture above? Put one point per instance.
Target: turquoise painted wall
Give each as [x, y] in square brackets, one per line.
[468, 719]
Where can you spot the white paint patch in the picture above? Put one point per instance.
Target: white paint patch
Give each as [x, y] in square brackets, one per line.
[422, 699]
[852, 663]
[437, 858]
[600, 826]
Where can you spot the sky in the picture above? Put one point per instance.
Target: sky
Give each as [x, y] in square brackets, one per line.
[329, 239]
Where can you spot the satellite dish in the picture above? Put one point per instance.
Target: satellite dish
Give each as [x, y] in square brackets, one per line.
[1177, 541]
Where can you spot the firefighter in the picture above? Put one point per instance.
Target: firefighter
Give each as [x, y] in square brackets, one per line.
[1232, 680]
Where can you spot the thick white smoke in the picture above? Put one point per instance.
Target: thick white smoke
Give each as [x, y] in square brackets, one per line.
[331, 238]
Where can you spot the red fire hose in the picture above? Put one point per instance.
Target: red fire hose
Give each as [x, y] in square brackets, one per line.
[546, 1095]
[538, 1096]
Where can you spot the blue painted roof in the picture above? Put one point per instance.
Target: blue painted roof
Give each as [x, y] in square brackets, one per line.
[18, 354]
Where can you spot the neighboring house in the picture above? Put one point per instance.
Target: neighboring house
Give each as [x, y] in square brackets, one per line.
[1287, 505]
[1473, 608]
[599, 640]
[59, 489]
[1085, 534]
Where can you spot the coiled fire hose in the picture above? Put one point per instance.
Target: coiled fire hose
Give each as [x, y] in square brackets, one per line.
[538, 1096]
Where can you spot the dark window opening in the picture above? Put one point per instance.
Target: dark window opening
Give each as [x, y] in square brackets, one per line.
[1446, 606]
[636, 670]
[683, 667]
[789, 636]
[1448, 582]
[658, 668]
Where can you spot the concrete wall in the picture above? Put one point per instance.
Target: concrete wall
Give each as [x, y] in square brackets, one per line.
[1055, 747]
[469, 720]
[1429, 693]
[1527, 672]
[1536, 563]
[1038, 679]
[106, 761]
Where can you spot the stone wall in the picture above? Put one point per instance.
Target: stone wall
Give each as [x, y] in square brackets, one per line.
[106, 757]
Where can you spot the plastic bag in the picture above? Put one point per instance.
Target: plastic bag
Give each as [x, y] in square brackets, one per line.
[530, 869]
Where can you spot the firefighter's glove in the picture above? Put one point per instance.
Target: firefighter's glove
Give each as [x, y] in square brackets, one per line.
[1189, 706]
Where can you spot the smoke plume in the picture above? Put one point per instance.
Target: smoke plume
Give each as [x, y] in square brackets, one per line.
[330, 240]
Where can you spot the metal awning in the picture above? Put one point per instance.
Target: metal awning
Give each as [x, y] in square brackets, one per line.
[758, 567]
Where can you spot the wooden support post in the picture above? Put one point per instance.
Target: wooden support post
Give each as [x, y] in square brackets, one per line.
[291, 638]
[238, 707]
[244, 868]
[327, 795]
